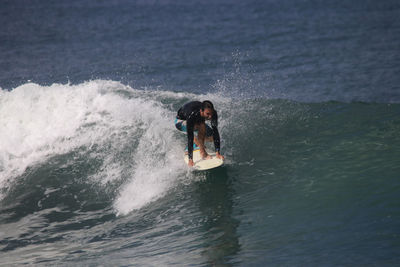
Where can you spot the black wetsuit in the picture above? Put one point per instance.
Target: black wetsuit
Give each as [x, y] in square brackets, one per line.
[190, 112]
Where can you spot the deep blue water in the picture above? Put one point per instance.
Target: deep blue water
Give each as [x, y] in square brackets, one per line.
[91, 169]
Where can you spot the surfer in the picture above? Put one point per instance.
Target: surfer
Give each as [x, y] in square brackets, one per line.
[190, 118]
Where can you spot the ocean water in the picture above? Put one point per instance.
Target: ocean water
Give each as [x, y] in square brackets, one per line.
[91, 165]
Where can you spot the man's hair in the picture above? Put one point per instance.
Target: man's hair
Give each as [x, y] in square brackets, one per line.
[207, 104]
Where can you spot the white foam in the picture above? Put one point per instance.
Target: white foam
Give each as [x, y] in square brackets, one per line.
[158, 163]
[38, 121]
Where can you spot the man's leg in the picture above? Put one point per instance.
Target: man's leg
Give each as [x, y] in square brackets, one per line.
[206, 139]
[201, 137]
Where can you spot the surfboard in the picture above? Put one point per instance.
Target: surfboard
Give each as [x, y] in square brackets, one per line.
[204, 164]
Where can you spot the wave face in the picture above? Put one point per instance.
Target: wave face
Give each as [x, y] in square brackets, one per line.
[93, 172]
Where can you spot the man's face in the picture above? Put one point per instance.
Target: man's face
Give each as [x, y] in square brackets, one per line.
[206, 113]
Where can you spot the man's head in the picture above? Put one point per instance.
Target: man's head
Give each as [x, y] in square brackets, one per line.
[207, 110]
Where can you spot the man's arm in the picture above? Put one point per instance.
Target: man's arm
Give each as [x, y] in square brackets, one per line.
[190, 135]
[214, 125]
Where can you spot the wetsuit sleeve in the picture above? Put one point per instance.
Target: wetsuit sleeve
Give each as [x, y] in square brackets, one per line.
[214, 125]
[190, 135]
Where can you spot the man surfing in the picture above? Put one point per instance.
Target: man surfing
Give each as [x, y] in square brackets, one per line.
[190, 118]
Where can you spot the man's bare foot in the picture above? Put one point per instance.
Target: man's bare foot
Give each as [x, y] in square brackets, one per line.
[205, 155]
[218, 155]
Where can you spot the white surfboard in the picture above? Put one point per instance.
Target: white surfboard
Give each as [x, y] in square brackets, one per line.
[204, 164]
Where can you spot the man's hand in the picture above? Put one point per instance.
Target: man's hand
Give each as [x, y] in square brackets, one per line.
[218, 155]
[190, 163]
